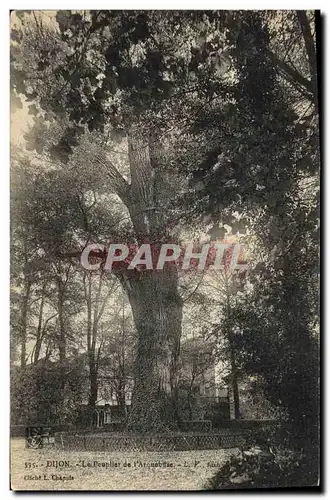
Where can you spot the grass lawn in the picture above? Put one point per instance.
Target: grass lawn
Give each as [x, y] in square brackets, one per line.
[175, 470]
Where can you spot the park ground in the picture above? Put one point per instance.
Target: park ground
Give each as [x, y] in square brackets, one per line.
[38, 469]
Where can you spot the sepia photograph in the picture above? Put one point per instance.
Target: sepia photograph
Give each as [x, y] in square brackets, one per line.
[165, 250]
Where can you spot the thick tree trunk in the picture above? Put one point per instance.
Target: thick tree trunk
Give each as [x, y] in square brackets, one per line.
[157, 311]
[235, 389]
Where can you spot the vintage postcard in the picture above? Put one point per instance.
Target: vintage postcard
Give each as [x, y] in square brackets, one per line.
[164, 249]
